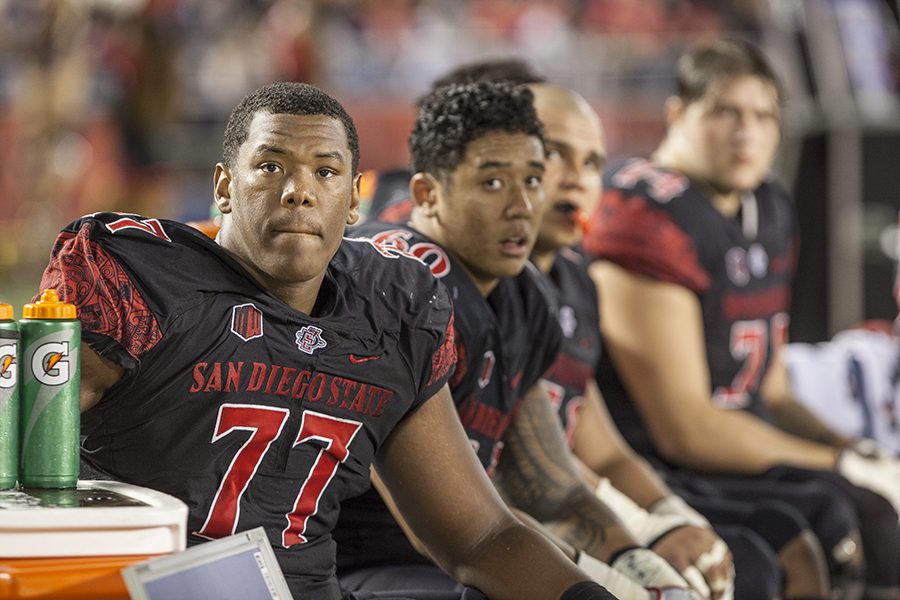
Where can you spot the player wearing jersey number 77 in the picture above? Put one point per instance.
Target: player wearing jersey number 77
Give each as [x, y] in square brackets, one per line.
[221, 372]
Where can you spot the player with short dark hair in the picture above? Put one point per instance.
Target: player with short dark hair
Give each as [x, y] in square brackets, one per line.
[694, 253]
[479, 160]
[285, 98]
[257, 377]
[438, 142]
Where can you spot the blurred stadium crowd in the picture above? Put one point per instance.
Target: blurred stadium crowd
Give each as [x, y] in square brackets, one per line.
[119, 104]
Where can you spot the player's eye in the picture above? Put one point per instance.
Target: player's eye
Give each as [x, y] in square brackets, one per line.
[270, 167]
[326, 172]
[493, 184]
[533, 181]
[767, 117]
[728, 112]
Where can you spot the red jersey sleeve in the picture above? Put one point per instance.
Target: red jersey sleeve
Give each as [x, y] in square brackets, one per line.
[108, 303]
[629, 231]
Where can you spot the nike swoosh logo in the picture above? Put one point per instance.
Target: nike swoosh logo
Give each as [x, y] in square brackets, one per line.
[361, 359]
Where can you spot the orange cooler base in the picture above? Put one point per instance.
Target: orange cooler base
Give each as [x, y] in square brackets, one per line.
[82, 578]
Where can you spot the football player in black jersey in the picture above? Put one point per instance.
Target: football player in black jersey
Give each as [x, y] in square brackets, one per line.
[695, 256]
[478, 161]
[576, 154]
[257, 377]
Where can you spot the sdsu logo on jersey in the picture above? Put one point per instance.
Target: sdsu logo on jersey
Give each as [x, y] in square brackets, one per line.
[309, 339]
[246, 321]
[567, 321]
[736, 266]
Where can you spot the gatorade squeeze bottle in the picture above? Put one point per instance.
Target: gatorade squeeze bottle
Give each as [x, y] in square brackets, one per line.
[49, 392]
[9, 398]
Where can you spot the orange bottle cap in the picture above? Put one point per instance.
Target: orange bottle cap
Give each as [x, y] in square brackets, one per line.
[6, 312]
[49, 307]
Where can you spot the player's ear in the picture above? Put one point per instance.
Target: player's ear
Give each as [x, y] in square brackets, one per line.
[673, 109]
[353, 215]
[222, 188]
[424, 189]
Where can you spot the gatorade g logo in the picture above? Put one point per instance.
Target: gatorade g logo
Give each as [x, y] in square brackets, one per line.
[7, 366]
[49, 364]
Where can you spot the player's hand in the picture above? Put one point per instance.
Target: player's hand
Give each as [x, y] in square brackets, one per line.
[869, 448]
[878, 474]
[702, 558]
[666, 518]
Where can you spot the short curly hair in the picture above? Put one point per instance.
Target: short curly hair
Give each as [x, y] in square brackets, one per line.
[453, 116]
[285, 97]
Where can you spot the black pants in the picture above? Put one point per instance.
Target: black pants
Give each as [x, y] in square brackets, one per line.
[757, 574]
[415, 582]
[775, 503]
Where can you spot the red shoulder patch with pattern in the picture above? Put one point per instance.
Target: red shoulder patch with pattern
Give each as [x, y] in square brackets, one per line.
[108, 302]
[444, 357]
[628, 232]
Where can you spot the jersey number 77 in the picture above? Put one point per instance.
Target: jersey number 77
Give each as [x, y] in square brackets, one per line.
[265, 424]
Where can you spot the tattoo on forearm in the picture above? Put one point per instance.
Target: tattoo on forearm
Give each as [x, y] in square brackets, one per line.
[537, 475]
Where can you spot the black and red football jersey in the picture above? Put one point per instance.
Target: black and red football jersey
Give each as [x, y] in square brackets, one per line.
[250, 412]
[504, 344]
[578, 358]
[655, 222]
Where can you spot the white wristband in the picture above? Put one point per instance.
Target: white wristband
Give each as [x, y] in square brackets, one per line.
[675, 505]
[644, 526]
[869, 448]
[618, 584]
[649, 569]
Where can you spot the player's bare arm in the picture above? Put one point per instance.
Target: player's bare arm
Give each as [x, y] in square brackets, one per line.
[434, 478]
[524, 517]
[536, 474]
[615, 582]
[654, 332]
[598, 444]
[97, 375]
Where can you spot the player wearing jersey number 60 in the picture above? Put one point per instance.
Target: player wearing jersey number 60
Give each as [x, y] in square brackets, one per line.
[257, 377]
[479, 158]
